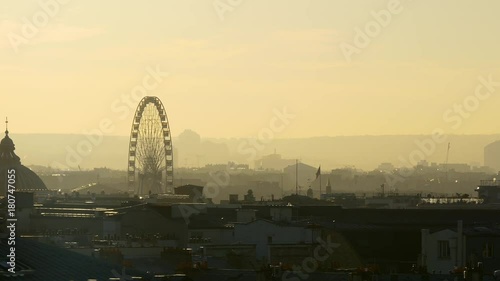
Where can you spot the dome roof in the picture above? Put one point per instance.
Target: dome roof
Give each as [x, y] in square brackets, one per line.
[26, 179]
[6, 140]
[7, 154]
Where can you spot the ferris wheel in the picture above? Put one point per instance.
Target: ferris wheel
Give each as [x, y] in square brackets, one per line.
[150, 156]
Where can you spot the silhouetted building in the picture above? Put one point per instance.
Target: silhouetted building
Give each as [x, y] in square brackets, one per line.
[25, 179]
[492, 155]
[193, 191]
[489, 191]
[264, 185]
[310, 193]
[462, 247]
[328, 187]
[306, 173]
[249, 197]
[39, 262]
[180, 181]
[386, 167]
[273, 162]
[457, 167]
[233, 198]
[235, 166]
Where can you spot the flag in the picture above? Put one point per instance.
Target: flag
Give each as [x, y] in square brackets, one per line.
[318, 173]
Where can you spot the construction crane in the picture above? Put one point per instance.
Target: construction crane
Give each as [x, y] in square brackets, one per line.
[446, 163]
[447, 155]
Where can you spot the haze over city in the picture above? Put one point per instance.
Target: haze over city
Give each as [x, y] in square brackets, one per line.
[228, 71]
[233, 140]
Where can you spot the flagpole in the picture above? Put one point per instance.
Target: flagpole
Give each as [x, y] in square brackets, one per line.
[297, 176]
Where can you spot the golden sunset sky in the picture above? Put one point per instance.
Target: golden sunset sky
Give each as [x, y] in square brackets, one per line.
[232, 63]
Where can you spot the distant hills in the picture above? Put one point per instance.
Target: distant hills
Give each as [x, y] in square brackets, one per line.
[364, 152]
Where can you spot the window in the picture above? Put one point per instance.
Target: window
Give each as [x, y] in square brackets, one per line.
[444, 249]
[269, 239]
[488, 250]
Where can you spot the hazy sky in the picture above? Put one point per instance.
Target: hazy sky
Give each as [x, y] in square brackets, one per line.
[229, 69]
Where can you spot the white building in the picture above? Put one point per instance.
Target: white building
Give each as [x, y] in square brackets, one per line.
[443, 250]
[264, 234]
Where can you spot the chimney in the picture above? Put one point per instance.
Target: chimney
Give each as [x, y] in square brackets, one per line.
[424, 240]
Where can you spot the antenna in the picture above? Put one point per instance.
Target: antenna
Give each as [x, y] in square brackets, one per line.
[6, 125]
[447, 156]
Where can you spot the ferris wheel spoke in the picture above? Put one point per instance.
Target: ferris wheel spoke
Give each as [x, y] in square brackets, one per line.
[150, 148]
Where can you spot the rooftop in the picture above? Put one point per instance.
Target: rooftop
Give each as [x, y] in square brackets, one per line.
[42, 262]
[493, 182]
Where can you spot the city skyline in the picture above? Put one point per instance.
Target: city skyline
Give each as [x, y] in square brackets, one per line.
[210, 140]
